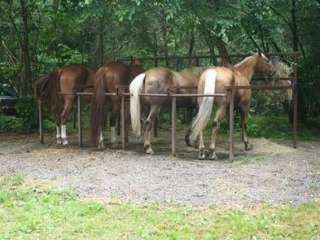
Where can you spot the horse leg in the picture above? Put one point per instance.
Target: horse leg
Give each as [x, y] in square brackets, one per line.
[118, 124]
[101, 144]
[201, 154]
[58, 136]
[149, 123]
[215, 127]
[113, 127]
[244, 123]
[63, 117]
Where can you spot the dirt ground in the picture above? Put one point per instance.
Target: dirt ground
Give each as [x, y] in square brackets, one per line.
[271, 173]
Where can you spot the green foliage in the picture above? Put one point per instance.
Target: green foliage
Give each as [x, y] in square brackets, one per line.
[27, 110]
[36, 211]
[268, 126]
[94, 32]
[10, 124]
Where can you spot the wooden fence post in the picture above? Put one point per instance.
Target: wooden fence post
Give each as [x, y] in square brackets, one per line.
[231, 123]
[40, 122]
[127, 116]
[79, 108]
[295, 106]
[173, 125]
[123, 127]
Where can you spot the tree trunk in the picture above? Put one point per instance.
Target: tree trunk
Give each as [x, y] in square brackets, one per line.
[164, 30]
[101, 41]
[26, 77]
[155, 49]
[191, 46]
[294, 26]
[223, 52]
[99, 49]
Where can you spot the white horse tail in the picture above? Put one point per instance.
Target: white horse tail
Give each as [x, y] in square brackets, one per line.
[205, 108]
[135, 89]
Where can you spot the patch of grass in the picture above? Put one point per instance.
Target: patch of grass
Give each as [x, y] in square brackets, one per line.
[274, 127]
[29, 211]
[247, 160]
[278, 127]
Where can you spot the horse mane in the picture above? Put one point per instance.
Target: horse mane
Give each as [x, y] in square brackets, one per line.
[244, 62]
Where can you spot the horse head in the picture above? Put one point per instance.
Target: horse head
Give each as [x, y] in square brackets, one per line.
[263, 65]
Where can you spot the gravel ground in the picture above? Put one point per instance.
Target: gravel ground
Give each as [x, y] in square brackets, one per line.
[270, 173]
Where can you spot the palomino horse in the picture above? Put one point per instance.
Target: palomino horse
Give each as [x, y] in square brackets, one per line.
[67, 80]
[157, 80]
[215, 80]
[107, 79]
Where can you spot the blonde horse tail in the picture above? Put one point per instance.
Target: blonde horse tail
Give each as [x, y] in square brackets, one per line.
[135, 89]
[205, 107]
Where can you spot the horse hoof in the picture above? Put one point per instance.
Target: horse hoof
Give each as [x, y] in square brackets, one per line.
[149, 150]
[59, 141]
[64, 142]
[212, 155]
[100, 146]
[201, 155]
[248, 147]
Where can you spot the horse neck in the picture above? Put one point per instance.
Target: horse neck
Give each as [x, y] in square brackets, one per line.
[247, 67]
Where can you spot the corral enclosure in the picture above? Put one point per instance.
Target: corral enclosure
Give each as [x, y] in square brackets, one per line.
[269, 192]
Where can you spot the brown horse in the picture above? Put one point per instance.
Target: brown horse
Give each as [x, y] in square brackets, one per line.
[157, 80]
[68, 80]
[107, 79]
[215, 80]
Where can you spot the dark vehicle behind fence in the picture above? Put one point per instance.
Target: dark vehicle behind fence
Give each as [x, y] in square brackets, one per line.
[8, 100]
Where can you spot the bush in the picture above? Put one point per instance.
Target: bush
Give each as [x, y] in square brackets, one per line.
[27, 110]
[10, 123]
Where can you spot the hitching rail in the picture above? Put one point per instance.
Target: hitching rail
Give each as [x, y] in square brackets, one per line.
[230, 93]
[124, 129]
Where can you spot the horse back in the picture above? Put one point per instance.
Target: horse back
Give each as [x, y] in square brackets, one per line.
[73, 78]
[158, 80]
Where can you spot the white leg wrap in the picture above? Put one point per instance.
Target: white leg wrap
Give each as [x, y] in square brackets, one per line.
[101, 144]
[64, 134]
[58, 136]
[113, 131]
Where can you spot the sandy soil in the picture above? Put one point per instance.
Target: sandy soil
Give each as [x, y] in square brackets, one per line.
[271, 173]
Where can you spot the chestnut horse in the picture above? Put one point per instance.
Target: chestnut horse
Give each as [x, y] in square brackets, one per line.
[107, 79]
[158, 80]
[68, 80]
[215, 80]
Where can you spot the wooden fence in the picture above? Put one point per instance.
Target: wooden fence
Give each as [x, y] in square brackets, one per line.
[230, 93]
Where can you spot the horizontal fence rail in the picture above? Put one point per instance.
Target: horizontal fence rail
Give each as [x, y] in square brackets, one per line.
[271, 54]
